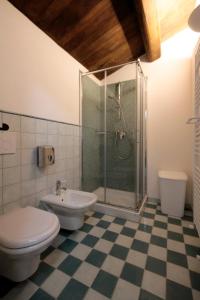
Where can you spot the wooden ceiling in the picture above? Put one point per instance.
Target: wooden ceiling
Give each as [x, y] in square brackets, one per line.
[103, 33]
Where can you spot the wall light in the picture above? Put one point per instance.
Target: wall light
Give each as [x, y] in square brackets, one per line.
[194, 19]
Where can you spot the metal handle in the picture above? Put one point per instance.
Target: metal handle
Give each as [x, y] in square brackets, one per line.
[193, 120]
[99, 132]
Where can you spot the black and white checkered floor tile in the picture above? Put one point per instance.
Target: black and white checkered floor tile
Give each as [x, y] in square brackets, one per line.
[111, 258]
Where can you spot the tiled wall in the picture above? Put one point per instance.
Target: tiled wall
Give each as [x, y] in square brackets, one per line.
[22, 183]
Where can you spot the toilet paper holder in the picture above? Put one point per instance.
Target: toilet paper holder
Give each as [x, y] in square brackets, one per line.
[45, 156]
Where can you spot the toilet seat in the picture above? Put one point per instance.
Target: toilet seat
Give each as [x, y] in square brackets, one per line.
[27, 250]
[27, 228]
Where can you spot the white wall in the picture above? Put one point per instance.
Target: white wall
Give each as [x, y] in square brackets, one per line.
[169, 139]
[37, 77]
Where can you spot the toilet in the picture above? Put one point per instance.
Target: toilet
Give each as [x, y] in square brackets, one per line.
[24, 234]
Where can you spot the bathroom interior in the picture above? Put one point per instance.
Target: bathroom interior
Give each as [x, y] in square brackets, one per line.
[100, 149]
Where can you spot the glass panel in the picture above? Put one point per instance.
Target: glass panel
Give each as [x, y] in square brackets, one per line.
[92, 135]
[121, 112]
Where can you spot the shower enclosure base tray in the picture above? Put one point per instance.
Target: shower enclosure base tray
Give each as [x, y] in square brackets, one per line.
[119, 198]
[128, 214]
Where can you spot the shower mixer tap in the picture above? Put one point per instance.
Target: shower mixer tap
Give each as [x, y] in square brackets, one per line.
[120, 133]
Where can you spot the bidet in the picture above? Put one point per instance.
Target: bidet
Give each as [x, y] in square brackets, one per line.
[69, 207]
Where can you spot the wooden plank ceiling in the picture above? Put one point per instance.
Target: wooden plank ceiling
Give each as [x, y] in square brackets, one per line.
[103, 33]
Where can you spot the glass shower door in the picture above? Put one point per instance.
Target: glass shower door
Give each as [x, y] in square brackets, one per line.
[121, 117]
[92, 136]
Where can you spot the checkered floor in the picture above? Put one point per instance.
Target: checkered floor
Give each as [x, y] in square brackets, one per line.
[111, 258]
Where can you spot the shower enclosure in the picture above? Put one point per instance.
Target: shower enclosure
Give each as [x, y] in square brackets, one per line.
[113, 119]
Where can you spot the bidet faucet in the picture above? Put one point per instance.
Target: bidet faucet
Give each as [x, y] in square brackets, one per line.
[58, 187]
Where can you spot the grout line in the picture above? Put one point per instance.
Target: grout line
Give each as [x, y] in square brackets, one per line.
[38, 118]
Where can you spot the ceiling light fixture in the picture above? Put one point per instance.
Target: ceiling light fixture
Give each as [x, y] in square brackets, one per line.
[194, 19]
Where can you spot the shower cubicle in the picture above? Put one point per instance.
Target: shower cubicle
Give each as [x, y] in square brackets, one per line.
[113, 122]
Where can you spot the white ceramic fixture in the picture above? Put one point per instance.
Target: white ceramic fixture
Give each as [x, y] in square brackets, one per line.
[172, 192]
[25, 233]
[70, 207]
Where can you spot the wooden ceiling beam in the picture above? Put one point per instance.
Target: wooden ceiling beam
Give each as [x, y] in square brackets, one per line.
[150, 27]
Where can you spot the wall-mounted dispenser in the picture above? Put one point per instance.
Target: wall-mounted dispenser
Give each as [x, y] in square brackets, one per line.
[45, 156]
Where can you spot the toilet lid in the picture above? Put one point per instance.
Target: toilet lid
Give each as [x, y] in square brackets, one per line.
[26, 227]
[172, 175]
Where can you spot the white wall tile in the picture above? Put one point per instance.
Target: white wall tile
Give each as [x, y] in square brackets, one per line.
[76, 130]
[1, 161]
[39, 196]
[52, 127]
[11, 206]
[28, 124]
[62, 129]
[70, 141]
[11, 193]
[28, 188]
[62, 141]
[51, 181]
[61, 165]
[62, 152]
[18, 136]
[28, 172]
[61, 176]
[28, 156]
[52, 168]
[11, 160]
[70, 129]
[11, 175]
[1, 197]
[28, 140]
[41, 139]
[41, 126]
[41, 184]
[52, 140]
[28, 201]
[70, 164]
[40, 172]
[12, 120]
[1, 177]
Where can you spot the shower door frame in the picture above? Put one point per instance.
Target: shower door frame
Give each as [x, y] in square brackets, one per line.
[138, 131]
[141, 133]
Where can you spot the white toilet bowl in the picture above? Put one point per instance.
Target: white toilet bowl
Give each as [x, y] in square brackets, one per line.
[25, 233]
[70, 207]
